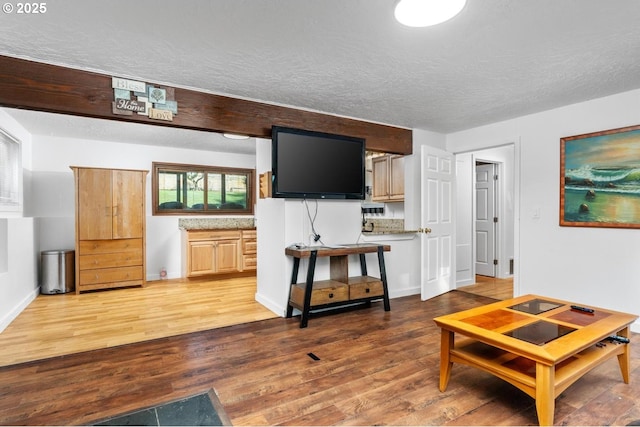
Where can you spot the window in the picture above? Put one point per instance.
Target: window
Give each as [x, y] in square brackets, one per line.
[10, 173]
[201, 190]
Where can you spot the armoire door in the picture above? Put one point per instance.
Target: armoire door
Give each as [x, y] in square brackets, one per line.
[128, 205]
[94, 204]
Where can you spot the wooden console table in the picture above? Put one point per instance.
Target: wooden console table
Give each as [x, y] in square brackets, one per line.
[340, 289]
[540, 345]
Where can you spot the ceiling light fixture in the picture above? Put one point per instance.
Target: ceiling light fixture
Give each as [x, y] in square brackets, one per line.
[234, 136]
[424, 13]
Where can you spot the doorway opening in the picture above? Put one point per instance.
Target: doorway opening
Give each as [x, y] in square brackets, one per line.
[486, 214]
[486, 218]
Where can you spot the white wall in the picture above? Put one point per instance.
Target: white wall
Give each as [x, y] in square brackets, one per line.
[272, 273]
[52, 194]
[593, 266]
[19, 248]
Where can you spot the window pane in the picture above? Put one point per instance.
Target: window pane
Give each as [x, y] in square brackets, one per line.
[214, 193]
[171, 189]
[235, 191]
[195, 190]
[180, 190]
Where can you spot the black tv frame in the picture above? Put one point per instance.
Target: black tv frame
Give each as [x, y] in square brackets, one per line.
[276, 192]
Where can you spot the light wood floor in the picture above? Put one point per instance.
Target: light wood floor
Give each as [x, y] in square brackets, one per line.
[491, 287]
[55, 325]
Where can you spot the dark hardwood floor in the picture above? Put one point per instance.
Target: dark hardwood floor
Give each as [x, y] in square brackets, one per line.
[374, 368]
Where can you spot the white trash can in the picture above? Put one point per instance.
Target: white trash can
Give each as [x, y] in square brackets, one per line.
[57, 272]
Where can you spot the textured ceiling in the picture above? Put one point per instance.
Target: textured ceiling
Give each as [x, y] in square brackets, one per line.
[497, 60]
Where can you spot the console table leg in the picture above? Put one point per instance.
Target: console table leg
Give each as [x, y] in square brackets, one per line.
[383, 277]
[363, 265]
[294, 279]
[304, 319]
[545, 397]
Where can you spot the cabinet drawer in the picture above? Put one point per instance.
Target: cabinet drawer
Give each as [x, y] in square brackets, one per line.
[120, 259]
[213, 234]
[324, 292]
[89, 247]
[249, 234]
[365, 287]
[249, 262]
[249, 246]
[104, 275]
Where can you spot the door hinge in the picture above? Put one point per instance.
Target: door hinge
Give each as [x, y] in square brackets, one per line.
[495, 262]
[495, 219]
[495, 177]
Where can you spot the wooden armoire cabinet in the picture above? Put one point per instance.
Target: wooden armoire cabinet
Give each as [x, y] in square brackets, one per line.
[110, 228]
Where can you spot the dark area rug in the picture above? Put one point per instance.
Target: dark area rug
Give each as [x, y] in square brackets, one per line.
[200, 410]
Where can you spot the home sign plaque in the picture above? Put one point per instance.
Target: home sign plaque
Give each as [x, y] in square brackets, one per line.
[133, 96]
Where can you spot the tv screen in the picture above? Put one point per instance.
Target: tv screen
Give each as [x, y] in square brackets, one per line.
[316, 165]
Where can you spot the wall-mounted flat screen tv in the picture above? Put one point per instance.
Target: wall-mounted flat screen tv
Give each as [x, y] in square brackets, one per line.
[316, 165]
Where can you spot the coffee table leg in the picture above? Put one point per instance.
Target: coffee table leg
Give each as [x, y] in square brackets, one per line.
[624, 359]
[446, 344]
[545, 398]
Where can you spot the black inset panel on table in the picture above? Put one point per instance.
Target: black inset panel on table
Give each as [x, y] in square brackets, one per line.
[540, 332]
[535, 306]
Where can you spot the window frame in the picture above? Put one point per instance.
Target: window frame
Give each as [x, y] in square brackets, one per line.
[158, 167]
[14, 187]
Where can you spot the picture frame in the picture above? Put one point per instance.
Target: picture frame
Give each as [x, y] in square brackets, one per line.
[600, 179]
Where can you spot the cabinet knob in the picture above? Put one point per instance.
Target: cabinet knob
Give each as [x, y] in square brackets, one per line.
[367, 290]
[331, 295]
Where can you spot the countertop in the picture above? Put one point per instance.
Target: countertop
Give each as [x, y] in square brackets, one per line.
[387, 231]
[226, 223]
[375, 226]
[372, 227]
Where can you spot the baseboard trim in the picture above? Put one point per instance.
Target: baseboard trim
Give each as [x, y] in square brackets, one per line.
[271, 305]
[11, 316]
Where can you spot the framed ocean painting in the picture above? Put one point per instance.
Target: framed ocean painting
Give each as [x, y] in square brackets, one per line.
[600, 179]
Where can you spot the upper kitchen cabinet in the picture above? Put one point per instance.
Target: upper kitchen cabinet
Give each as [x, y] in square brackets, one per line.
[388, 178]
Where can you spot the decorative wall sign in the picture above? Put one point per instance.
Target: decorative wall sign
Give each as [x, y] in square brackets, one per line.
[132, 96]
[155, 113]
[130, 85]
[130, 105]
[157, 95]
[600, 179]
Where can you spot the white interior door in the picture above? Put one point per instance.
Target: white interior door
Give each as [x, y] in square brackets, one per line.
[485, 224]
[437, 175]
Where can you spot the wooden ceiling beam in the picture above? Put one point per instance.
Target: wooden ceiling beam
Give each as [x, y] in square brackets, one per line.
[44, 87]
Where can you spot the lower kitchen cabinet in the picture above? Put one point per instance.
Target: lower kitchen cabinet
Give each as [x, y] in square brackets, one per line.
[208, 252]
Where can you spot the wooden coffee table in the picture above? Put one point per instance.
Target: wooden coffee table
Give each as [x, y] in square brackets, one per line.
[540, 345]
